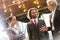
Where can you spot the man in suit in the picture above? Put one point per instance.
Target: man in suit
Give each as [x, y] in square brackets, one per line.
[55, 20]
[36, 28]
[14, 31]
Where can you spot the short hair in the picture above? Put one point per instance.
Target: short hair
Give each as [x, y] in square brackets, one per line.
[29, 12]
[52, 3]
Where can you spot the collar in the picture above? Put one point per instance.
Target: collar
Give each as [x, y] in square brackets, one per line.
[54, 10]
[35, 19]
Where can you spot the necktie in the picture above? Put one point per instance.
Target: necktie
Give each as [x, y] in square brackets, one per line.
[53, 14]
[52, 21]
[35, 22]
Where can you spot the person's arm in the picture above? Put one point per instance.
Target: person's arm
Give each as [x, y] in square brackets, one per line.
[29, 32]
[10, 34]
[47, 28]
[43, 28]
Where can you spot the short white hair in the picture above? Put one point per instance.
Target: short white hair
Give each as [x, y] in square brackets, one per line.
[52, 1]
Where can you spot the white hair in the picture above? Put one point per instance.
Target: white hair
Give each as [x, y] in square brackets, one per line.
[52, 1]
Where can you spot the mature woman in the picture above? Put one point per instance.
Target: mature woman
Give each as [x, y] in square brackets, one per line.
[13, 31]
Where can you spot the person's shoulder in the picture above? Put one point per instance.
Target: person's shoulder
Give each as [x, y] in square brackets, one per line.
[29, 22]
[8, 29]
[40, 19]
[58, 7]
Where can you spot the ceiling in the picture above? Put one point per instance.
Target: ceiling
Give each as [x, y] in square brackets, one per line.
[13, 8]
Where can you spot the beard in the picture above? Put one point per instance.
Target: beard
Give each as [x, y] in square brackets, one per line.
[34, 17]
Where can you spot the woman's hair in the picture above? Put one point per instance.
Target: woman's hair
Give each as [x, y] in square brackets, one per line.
[10, 18]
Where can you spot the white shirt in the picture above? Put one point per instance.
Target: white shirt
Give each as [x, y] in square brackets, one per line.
[53, 13]
[52, 19]
[35, 19]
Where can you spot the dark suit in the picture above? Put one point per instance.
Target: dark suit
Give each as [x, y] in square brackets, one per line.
[57, 19]
[56, 23]
[34, 31]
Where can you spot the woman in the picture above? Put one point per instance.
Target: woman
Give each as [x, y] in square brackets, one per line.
[13, 31]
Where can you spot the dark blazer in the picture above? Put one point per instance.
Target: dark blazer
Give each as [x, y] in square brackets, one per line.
[57, 19]
[34, 31]
[13, 36]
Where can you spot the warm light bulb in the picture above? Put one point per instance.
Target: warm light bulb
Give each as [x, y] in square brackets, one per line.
[38, 6]
[10, 9]
[34, 2]
[37, 2]
[23, 6]
[11, 14]
[5, 10]
[19, 6]
[13, 2]
[24, 10]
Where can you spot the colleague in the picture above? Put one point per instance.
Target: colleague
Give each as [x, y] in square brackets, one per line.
[55, 18]
[36, 28]
[14, 31]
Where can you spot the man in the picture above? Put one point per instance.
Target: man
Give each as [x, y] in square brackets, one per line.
[55, 20]
[36, 28]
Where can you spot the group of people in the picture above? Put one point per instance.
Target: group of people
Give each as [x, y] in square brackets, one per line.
[36, 28]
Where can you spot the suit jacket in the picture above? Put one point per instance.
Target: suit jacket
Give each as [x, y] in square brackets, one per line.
[57, 19]
[13, 36]
[34, 31]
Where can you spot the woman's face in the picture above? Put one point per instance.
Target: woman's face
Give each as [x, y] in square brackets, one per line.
[13, 21]
[34, 13]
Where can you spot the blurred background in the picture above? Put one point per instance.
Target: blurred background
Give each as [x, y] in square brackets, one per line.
[19, 8]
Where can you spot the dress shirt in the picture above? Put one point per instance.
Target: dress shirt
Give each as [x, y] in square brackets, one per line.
[35, 19]
[53, 13]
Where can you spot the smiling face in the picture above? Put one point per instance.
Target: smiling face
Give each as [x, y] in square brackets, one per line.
[51, 5]
[12, 20]
[34, 13]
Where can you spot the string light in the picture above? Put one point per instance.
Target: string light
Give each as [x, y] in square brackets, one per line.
[38, 6]
[13, 2]
[11, 14]
[10, 9]
[19, 6]
[37, 2]
[5, 10]
[23, 5]
[24, 10]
